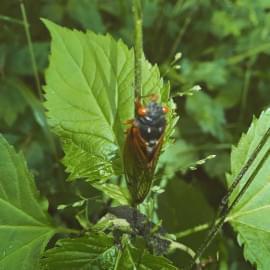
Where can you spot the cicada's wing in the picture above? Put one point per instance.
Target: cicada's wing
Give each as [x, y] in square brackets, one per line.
[139, 168]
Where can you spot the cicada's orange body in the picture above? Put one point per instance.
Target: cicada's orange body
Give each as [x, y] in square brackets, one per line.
[142, 147]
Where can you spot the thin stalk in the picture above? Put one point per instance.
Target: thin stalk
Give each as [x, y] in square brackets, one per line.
[30, 46]
[11, 20]
[176, 245]
[198, 228]
[37, 81]
[248, 53]
[138, 46]
[225, 211]
[119, 255]
[182, 32]
[67, 230]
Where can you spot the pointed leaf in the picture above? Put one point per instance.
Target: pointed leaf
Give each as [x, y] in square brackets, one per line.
[89, 92]
[251, 216]
[96, 251]
[24, 227]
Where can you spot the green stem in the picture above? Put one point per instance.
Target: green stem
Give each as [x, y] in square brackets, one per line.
[37, 80]
[138, 46]
[11, 20]
[199, 228]
[176, 245]
[182, 31]
[119, 255]
[31, 50]
[67, 230]
[248, 53]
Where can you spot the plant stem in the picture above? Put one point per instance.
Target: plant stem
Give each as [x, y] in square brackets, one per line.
[176, 245]
[30, 46]
[138, 47]
[248, 53]
[182, 32]
[11, 20]
[199, 228]
[67, 230]
[224, 211]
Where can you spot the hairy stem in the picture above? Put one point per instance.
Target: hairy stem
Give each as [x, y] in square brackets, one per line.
[138, 46]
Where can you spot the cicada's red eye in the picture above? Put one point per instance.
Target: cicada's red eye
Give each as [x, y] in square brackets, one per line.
[165, 109]
[142, 111]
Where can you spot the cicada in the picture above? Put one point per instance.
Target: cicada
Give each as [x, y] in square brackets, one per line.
[142, 147]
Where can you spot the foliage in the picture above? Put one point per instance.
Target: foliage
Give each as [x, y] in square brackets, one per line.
[225, 49]
[25, 229]
[250, 217]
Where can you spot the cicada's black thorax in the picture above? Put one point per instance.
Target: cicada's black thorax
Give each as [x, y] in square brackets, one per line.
[151, 126]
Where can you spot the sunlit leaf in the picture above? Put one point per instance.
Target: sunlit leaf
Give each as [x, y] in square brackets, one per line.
[89, 96]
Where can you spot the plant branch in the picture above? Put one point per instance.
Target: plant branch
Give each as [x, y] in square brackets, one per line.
[11, 20]
[138, 46]
[67, 230]
[30, 46]
[233, 60]
[198, 228]
[225, 211]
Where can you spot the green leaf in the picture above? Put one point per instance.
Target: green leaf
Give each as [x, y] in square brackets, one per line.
[251, 216]
[90, 95]
[96, 251]
[12, 103]
[141, 259]
[207, 113]
[24, 227]
[120, 194]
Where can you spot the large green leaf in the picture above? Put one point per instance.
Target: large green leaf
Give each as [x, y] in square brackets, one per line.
[90, 252]
[24, 227]
[251, 216]
[89, 92]
[98, 251]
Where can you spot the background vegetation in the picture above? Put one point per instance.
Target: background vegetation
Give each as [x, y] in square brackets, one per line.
[225, 48]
